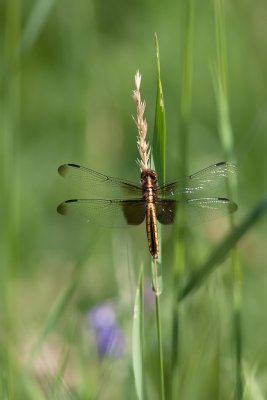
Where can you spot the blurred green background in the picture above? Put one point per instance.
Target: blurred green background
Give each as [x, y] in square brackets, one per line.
[67, 70]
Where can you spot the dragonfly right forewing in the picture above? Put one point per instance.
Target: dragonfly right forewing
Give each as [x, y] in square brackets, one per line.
[106, 213]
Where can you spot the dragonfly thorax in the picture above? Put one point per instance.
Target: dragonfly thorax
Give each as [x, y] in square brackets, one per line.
[149, 177]
[149, 181]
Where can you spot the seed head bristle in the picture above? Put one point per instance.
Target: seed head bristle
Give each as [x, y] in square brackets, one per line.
[140, 121]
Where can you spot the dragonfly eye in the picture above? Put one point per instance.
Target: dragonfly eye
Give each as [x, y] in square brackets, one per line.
[153, 176]
[149, 172]
[144, 176]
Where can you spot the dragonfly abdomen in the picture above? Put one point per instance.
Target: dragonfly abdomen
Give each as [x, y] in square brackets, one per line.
[151, 229]
[149, 181]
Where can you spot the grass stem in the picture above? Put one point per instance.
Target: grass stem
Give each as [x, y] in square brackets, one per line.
[160, 348]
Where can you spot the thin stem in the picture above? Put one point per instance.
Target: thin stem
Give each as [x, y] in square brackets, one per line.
[160, 349]
[237, 301]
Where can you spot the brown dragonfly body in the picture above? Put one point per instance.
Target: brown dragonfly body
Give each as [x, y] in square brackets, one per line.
[121, 203]
[149, 181]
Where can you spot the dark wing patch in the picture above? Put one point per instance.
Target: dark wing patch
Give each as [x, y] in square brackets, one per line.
[165, 211]
[134, 211]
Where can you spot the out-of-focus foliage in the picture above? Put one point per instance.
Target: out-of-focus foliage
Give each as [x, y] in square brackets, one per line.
[67, 69]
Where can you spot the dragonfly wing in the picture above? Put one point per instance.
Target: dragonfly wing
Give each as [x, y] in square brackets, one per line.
[165, 211]
[190, 185]
[202, 210]
[96, 184]
[108, 213]
[196, 210]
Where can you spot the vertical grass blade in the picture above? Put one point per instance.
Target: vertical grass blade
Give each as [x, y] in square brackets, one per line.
[186, 85]
[159, 160]
[137, 337]
[160, 345]
[156, 273]
[180, 231]
[221, 80]
[159, 136]
[227, 140]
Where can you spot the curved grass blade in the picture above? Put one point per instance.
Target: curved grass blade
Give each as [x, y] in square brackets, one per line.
[198, 277]
[137, 338]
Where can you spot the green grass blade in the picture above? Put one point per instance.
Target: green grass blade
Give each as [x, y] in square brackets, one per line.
[221, 80]
[137, 337]
[186, 87]
[158, 157]
[160, 348]
[156, 273]
[159, 136]
[198, 277]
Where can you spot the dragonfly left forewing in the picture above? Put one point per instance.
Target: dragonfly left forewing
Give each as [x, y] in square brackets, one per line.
[188, 186]
[106, 213]
[96, 184]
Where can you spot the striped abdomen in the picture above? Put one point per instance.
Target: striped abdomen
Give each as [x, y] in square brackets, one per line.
[151, 228]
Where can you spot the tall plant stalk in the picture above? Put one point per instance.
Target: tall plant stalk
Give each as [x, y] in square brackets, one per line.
[159, 158]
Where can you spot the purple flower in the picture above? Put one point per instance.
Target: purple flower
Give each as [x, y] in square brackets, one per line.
[108, 335]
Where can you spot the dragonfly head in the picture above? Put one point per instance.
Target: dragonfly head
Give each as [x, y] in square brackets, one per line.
[149, 173]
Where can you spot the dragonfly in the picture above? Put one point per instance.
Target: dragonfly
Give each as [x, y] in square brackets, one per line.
[115, 202]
